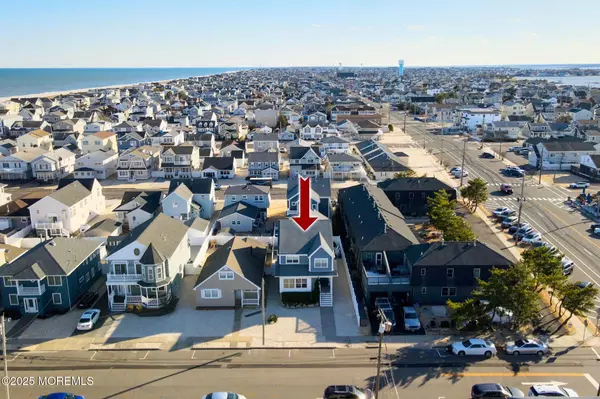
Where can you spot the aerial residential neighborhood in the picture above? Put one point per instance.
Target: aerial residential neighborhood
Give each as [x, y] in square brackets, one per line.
[447, 216]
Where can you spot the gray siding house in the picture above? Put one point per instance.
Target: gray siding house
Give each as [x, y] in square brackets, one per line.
[305, 259]
[258, 196]
[320, 196]
[179, 204]
[240, 217]
[203, 193]
[232, 275]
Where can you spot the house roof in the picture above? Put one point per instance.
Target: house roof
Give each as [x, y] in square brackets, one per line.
[334, 139]
[149, 201]
[87, 183]
[219, 163]
[104, 135]
[374, 222]
[183, 191]
[57, 257]
[414, 184]
[103, 228]
[294, 240]
[596, 160]
[297, 152]
[196, 185]
[456, 253]
[265, 137]
[11, 253]
[569, 146]
[70, 194]
[242, 208]
[152, 256]
[342, 157]
[263, 156]
[163, 232]
[321, 187]
[247, 189]
[244, 256]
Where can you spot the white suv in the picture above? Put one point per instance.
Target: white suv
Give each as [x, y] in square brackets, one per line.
[552, 390]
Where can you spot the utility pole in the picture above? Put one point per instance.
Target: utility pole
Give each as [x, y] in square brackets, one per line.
[521, 199]
[262, 307]
[442, 152]
[462, 166]
[384, 326]
[500, 151]
[405, 111]
[3, 326]
[541, 163]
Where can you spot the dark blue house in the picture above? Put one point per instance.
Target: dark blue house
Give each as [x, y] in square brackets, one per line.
[51, 276]
[131, 140]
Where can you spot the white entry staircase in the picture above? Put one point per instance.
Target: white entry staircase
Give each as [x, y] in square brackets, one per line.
[326, 300]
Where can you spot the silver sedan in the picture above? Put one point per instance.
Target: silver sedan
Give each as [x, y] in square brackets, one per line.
[527, 347]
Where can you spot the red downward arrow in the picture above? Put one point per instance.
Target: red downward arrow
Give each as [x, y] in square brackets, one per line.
[304, 220]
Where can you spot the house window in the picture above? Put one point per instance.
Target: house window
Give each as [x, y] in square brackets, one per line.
[211, 293]
[225, 275]
[423, 272]
[477, 272]
[411, 195]
[13, 299]
[301, 283]
[151, 273]
[423, 290]
[54, 281]
[87, 277]
[289, 283]
[448, 291]
[321, 263]
[292, 259]
[57, 298]
[450, 273]
[81, 279]
[159, 273]
[9, 283]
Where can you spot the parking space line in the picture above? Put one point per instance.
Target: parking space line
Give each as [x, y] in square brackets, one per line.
[194, 355]
[502, 374]
[145, 356]
[595, 353]
[591, 380]
[333, 353]
[92, 358]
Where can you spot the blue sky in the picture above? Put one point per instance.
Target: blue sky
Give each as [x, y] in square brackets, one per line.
[198, 33]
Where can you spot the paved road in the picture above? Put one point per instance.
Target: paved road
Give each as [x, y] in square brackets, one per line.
[294, 374]
[544, 208]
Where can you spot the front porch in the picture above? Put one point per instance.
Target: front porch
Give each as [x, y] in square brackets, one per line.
[121, 296]
[319, 289]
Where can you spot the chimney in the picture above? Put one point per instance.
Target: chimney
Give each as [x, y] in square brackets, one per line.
[474, 242]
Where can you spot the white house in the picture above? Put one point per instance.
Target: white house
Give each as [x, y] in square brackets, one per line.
[147, 267]
[561, 154]
[312, 132]
[179, 204]
[138, 163]
[470, 117]
[219, 167]
[67, 210]
[53, 165]
[336, 145]
[35, 139]
[137, 207]
[17, 166]
[98, 164]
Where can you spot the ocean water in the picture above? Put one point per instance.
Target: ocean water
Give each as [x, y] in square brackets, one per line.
[592, 81]
[27, 81]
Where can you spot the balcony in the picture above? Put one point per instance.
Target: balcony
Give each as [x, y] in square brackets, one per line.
[31, 290]
[380, 277]
[125, 278]
[49, 226]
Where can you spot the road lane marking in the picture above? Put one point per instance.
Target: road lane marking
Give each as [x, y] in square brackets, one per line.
[570, 226]
[92, 358]
[595, 353]
[592, 380]
[194, 355]
[14, 357]
[502, 374]
[145, 356]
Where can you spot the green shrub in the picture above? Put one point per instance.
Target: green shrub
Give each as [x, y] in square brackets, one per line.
[272, 319]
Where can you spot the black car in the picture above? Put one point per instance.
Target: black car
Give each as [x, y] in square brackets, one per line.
[493, 390]
[595, 226]
[487, 155]
[87, 300]
[347, 392]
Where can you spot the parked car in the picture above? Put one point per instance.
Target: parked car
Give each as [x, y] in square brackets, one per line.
[508, 222]
[473, 346]
[223, 395]
[487, 155]
[61, 395]
[552, 390]
[411, 319]
[594, 226]
[568, 266]
[498, 211]
[579, 184]
[514, 149]
[526, 347]
[584, 284]
[458, 174]
[513, 229]
[88, 319]
[282, 150]
[493, 390]
[523, 151]
[506, 188]
[87, 300]
[532, 237]
[383, 303]
[506, 214]
[522, 232]
[347, 392]
[455, 169]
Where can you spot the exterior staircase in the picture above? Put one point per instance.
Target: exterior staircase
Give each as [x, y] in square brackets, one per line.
[118, 307]
[326, 300]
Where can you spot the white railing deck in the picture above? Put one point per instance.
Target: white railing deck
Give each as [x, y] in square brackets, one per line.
[45, 226]
[123, 277]
[31, 290]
